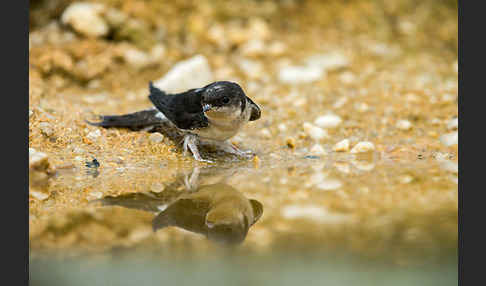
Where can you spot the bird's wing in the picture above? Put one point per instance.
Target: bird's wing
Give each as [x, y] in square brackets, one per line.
[183, 109]
[255, 110]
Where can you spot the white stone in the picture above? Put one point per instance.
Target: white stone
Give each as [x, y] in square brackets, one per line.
[136, 58]
[36, 158]
[265, 133]
[300, 74]
[191, 73]
[156, 137]
[312, 212]
[282, 127]
[450, 139]
[450, 166]
[363, 147]
[453, 124]
[38, 195]
[328, 121]
[253, 48]
[46, 129]
[156, 187]
[85, 18]
[317, 149]
[404, 125]
[347, 77]
[341, 146]
[93, 135]
[314, 132]
[329, 184]
[328, 61]
[252, 69]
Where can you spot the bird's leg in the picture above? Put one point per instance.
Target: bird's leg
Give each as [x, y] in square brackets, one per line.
[192, 181]
[232, 149]
[190, 141]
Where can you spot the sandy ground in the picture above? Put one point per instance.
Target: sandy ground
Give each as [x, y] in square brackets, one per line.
[388, 72]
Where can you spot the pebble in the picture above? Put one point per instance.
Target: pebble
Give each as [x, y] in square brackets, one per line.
[363, 147]
[290, 142]
[30, 113]
[300, 74]
[453, 124]
[136, 58]
[328, 121]
[265, 133]
[328, 61]
[46, 129]
[85, 18]
[313, 212]
[38, 160]
[38, 195]
[347, 77]
[96, 195]
[194, 72]
[329, 185]
[317, 149]
[404, 125]
[253, 48]
[450, 166]
[277, 49]
[93, 135]
[314, 132]
[341, 146]
[450, 139]
[282, 127]
[156, 187]
[252, 69]
[156, 137]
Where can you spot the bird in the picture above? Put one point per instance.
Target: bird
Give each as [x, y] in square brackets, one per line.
[208, 115]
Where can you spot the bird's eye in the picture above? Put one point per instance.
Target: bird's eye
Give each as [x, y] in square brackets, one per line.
[225, 100]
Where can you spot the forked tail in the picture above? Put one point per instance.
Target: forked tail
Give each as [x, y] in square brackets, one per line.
[135, 121]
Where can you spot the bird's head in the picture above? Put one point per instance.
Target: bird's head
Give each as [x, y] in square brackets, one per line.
[223, 99]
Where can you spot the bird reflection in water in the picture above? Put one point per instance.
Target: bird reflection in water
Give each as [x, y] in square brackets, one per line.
[198, 204]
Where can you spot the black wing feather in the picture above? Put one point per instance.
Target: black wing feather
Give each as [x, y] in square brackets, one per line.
[183, 109]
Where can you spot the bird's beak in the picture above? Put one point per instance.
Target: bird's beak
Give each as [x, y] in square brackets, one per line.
[206, 107]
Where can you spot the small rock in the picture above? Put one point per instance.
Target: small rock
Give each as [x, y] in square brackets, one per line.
[404, 125]
[328, 121]
[450, 166]
[329, 184]
[191, 73]
[450, 139]
[290, 143]
[136, 58]
[30, 113]
[156, 187]
[93, 135]
[85, 18]
[300, 74]
[96, 195]
[46, 129]
[405, 179]
[252, 69]
[277, 49]
[253, 48]
[328, 61]
[363, 147]
[347, 77]
[453, 124]
[341, 146]
[314, 132]
[282, 127]
[265, 133]
[38, 160]
[317, 149]
[38, 195]
[156, 137]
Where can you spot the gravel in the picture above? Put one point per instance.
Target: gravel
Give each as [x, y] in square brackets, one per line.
[341, 146]
[328, 121]
[156, 137]
[450, 139]
[86, 19]
[363, 147]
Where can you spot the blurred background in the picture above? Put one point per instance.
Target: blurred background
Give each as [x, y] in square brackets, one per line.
[327, 75]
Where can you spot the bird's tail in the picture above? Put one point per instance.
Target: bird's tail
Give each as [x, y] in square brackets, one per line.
[135, 121]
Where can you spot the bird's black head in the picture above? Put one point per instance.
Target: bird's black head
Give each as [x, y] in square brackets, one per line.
[223, 97]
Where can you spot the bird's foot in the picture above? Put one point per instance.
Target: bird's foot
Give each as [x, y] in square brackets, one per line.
[190, 142]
